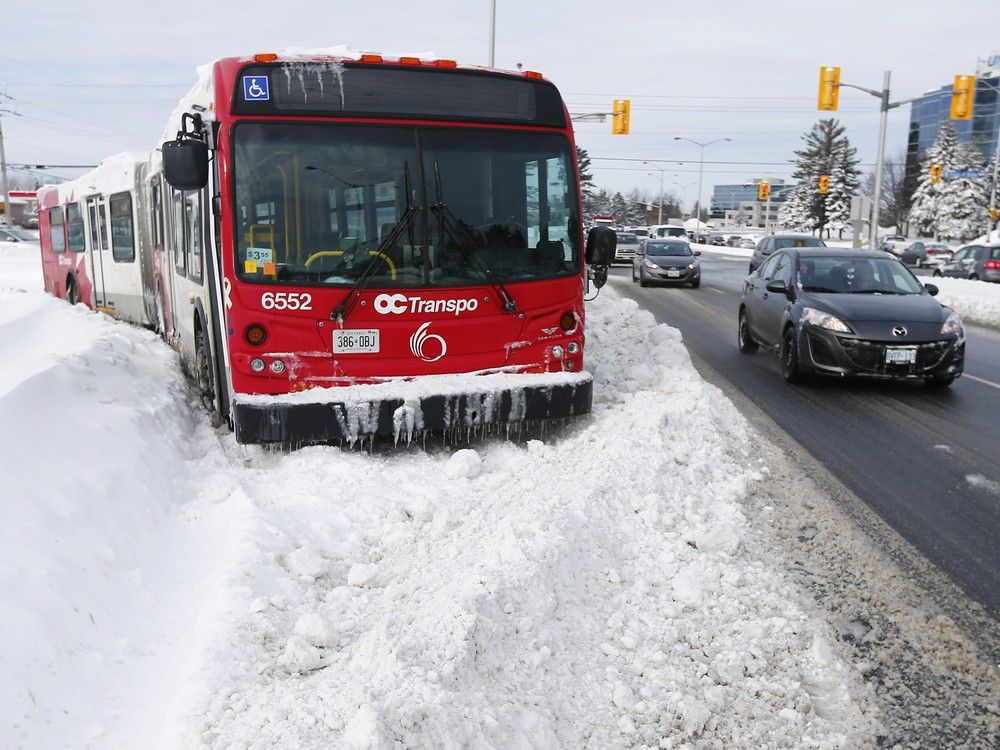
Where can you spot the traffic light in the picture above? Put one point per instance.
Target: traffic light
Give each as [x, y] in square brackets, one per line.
[963, 93]
[994, 214]
[824, 184]
[936, 171]
[829, 89]
[620, 117]
[763, 190]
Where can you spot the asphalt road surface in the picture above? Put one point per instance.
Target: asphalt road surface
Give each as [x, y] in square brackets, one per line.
[927, 461]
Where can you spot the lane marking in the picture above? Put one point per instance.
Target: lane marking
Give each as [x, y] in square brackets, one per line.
[717, 291]
[990, 383]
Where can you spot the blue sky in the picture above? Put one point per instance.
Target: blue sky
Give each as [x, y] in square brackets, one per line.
[91, 78]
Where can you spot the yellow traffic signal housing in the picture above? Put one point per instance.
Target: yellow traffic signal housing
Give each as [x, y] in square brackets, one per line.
[963, 94]
[824, 184]
[936, 172]
[994, 214]
[829, 89]
[620, 117]
[763, 190]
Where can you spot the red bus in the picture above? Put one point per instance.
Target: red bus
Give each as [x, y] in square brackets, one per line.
[345, 248]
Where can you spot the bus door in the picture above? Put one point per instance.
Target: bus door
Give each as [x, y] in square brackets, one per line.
[96, 214]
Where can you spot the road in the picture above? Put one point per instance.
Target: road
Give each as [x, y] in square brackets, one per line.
[928, 462]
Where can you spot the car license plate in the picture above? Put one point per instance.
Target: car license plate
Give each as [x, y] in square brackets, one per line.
[356, 341]
[673, 272]
[900, 356]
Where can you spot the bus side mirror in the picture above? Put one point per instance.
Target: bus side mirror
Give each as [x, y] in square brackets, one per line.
[185, 164]
[601, 245]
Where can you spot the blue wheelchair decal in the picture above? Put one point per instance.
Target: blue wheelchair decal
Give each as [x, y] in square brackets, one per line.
[255, 89]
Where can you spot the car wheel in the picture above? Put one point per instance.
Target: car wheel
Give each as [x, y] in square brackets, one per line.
[696, 283]
[642, 278]
[790, 369]
[936, 272]
[974, 277]
[940, 382]
[743, 336]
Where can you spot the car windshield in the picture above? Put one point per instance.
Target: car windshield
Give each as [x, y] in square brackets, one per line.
[668, 248]
[780, 243]
[846, 275]
[325, 204]
[627, 239]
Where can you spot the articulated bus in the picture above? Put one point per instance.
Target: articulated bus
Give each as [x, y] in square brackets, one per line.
[345, 247]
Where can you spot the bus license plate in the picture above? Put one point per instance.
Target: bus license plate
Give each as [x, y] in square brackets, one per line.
[900, 356]
[356, 341]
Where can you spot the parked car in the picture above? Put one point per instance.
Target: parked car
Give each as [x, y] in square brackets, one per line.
[973, 262]
[30, 222]
[779, 242]
[628, 244]
[666, 261]
[716, 239]
[747, 243]
[14, 234]
[921, 253]
[849, 312]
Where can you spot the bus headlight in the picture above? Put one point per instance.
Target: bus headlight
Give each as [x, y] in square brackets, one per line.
[257, 364]
[558, 351]
[277, 367]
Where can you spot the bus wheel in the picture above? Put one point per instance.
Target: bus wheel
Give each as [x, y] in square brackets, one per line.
[204, 373]
[72, 293]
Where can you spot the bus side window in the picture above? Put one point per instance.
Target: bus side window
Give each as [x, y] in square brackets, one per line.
[193, 233]
[122, 228]
[157, 223]
[77, 232]
[177, 223]
[98, 224]
[58, 231]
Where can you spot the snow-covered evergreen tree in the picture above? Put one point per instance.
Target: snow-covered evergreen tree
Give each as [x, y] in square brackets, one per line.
[924, 205]
[963, 201]
[619, 209]
[586, 178]
[827, 151]
[635, 211]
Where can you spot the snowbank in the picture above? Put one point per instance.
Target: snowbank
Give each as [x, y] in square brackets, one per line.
[975, 301]
[164, 586]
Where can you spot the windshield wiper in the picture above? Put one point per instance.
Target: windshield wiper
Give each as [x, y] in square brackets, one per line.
[809, 288]
[448, 224]
[876, 291]
[341, 311]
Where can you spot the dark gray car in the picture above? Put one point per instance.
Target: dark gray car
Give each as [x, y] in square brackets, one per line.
[973, 262]
[779, 242]
[849, 312]
[666, 261]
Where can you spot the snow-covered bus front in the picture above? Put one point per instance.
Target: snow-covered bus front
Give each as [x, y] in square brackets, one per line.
[398, 247]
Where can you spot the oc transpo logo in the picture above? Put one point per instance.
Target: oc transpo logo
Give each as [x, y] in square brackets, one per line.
[420, 349]
[397, 304]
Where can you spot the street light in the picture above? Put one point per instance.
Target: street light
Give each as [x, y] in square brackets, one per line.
[701, 164]
[661, 170]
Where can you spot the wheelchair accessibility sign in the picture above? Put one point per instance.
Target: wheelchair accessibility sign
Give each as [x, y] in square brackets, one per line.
[255, 89]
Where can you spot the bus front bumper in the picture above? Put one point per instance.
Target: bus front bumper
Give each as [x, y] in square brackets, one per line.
[457, 407]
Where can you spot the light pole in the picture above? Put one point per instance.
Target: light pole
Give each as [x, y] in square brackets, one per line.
[701, 164]
[493, 29]
[659, 213]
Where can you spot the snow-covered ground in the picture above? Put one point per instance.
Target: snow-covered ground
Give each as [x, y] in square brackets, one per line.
[163, 586]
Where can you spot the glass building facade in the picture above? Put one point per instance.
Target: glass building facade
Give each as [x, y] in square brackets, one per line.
[932, 110]
[729, 197]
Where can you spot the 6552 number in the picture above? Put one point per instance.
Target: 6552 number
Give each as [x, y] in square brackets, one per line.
[286, 301]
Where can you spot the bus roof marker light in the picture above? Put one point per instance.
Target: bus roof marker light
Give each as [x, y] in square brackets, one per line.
[445, 63]
[265, 57]
[533, 74]
[409, 61]
[370, 58]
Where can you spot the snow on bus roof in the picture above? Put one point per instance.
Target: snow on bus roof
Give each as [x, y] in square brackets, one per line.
[115, 173]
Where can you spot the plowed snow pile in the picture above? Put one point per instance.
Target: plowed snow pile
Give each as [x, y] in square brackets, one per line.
[601, 589]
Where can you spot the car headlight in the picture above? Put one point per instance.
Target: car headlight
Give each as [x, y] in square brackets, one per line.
[822, 319]
[692, 266]
[650, 264]
[952, 324]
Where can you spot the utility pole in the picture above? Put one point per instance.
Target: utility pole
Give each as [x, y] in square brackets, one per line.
[3, 175]
[701, 164]
[493, 28]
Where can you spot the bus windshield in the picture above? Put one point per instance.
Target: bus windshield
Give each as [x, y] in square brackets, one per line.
[323, 204]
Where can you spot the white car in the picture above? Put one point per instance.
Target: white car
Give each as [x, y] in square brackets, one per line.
[628, 244]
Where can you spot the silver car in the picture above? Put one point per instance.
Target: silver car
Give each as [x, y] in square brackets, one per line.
[973, 262]
[628, 244]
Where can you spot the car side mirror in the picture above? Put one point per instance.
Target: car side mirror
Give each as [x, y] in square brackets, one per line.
[931, 289]
[697, 252]
[777, 286]
[185, 164]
